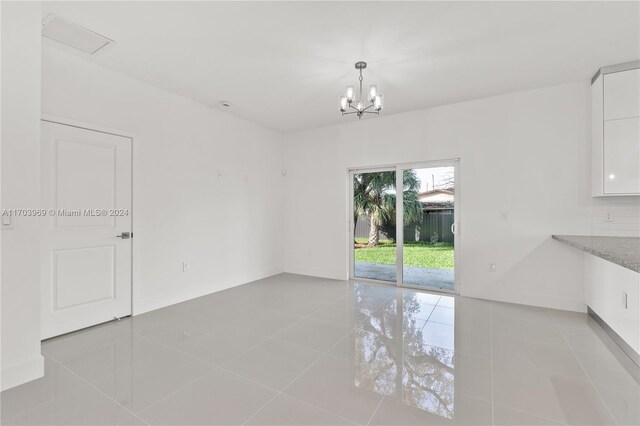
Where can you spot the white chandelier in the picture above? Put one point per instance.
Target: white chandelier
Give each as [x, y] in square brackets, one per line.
[371, 105]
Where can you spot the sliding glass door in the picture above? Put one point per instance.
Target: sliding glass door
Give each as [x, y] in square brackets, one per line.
[428, 239]
[374, 225]
[404, 224]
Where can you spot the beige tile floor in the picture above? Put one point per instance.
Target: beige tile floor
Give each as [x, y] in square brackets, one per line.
[307, 351]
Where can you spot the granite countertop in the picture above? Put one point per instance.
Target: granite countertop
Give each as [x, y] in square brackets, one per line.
[623, 251]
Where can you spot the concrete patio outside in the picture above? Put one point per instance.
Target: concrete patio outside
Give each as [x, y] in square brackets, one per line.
[433, 278]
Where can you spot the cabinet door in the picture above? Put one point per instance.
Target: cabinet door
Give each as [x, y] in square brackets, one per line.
[622, 156]
[606, 285]
[622, 94]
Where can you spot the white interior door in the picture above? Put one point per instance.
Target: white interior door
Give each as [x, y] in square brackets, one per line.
[86, 258]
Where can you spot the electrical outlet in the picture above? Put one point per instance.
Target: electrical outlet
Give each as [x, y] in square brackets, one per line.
[186, 267]
[7, 222]
[609, 216]
[492, 267]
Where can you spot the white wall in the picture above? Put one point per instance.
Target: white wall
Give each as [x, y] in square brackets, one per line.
[20, 135]
[526, 153]
[228, 228]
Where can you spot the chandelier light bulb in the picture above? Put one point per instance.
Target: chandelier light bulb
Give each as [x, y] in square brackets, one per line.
[378, 102]
[373, 92]
[343, 103]
[360, 106]
[350, 93]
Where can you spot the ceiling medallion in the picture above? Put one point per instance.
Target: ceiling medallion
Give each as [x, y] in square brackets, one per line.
[371, 105]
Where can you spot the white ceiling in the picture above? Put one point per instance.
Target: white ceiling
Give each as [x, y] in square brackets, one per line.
[284, 64]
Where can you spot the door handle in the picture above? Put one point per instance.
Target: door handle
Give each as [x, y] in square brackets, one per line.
[125, 235]
[453, 228]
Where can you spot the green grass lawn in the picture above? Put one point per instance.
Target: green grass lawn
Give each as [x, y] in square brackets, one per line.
[422, 254]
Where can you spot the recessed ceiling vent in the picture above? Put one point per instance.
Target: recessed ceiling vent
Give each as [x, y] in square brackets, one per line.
[73, 35]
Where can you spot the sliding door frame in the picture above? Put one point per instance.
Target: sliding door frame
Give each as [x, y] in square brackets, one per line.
[399, 168]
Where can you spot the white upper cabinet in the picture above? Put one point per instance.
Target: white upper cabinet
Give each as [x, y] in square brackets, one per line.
[615, 128]
[621, 156]
[621, 95]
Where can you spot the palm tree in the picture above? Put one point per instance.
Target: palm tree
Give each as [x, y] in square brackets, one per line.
[374, 196]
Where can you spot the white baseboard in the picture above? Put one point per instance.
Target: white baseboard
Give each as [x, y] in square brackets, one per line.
[141, 306]
[530, 299]
[317, 272]
[17, 374]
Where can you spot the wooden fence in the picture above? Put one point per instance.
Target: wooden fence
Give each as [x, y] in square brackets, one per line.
[434, 226]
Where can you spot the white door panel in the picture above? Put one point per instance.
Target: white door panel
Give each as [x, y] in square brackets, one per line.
[74, 268]
[86, 181]
[84, 175]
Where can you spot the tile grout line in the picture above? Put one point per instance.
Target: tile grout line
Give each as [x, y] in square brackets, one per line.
[296, 378]
[326, 353]
[430, 313]
[279, 340]
[131, 334]
[222, 326]
[178, 389]
[172, 349]
[300, 317]
[383, 396]
[215, 368]
[584, 370]
[21, 412]
[220, 367]
[322, 355]
[519, 410]
[96, 388]
[376, 410]
[160, 343]
[349, 330]
[280, 392]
